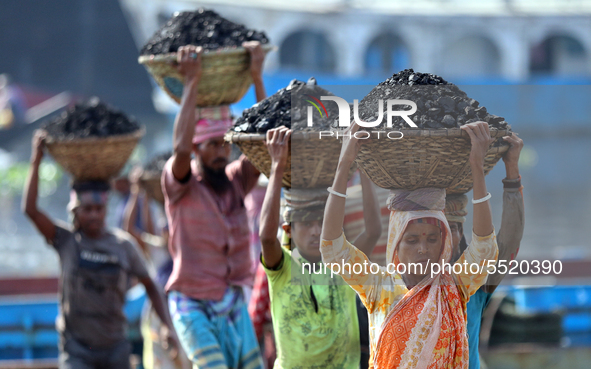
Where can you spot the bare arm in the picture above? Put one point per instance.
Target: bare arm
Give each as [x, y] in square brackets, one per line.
[334, 246]
[511, 157]
[29, 204]
[278, 146]
[257, 58]
[161, 309]
[147, 221]
[334, 213]
[157, 301]
[131, 211]
[259, 89]
[184, 124]
[367, 240]
[481, 140]
[513, 220]
[483, 247]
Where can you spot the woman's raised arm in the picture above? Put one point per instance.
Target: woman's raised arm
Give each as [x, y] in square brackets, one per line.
[481, 140]
[334, 212]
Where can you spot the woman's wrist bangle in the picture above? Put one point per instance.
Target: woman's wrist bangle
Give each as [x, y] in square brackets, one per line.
[485, 198]
[333, 192]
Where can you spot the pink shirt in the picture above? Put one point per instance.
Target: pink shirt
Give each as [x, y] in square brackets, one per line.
[209, 235]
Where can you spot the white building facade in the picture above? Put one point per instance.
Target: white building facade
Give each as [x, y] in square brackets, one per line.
[510, 40]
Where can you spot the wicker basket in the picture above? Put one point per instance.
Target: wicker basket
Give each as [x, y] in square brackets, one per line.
[151, 182]
[493, 155]
[225, 75]
[424, 158]
[316, 164]
[94, 158]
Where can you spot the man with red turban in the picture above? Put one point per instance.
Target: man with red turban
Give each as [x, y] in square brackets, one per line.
[209, 235]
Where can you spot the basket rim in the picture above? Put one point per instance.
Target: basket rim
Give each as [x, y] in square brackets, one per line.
[444, 132]
[171, 57]
[232, 136]
[137, 134]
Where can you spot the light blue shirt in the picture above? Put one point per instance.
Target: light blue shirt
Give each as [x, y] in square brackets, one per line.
[476, 306]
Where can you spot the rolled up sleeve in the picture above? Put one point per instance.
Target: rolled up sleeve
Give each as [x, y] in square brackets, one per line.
[172, 188]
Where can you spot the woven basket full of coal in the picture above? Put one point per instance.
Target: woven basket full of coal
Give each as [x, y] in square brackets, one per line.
[93, 158]
[225, 64]
[424, 158]
[493, 155]
[92, 141]
[311, 162]
[225, 77]
[434, 151]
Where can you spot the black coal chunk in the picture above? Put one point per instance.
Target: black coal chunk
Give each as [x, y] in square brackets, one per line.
[288, 107]
[440, 104]
[90, 119]
[202, 27]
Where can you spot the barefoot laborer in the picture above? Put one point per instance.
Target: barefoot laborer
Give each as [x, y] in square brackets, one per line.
[314, 315]
[209, 235]
[96, 266]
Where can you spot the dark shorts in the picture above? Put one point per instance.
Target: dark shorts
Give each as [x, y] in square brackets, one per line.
[363, 320]
[75, 355]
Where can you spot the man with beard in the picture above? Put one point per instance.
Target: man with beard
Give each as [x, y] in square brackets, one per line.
[209, 236]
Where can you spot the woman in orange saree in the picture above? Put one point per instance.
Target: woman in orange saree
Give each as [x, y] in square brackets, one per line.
[417, 315]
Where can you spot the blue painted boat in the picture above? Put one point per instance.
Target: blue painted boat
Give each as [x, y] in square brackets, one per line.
[27, 326]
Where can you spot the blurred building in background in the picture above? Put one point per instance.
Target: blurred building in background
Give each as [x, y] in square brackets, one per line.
[513, 40]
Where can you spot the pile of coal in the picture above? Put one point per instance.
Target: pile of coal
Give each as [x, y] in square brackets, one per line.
[204, 28]
[90, 119]
[409, 77]
[289, 107]
[156, 165]
[440, 104]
